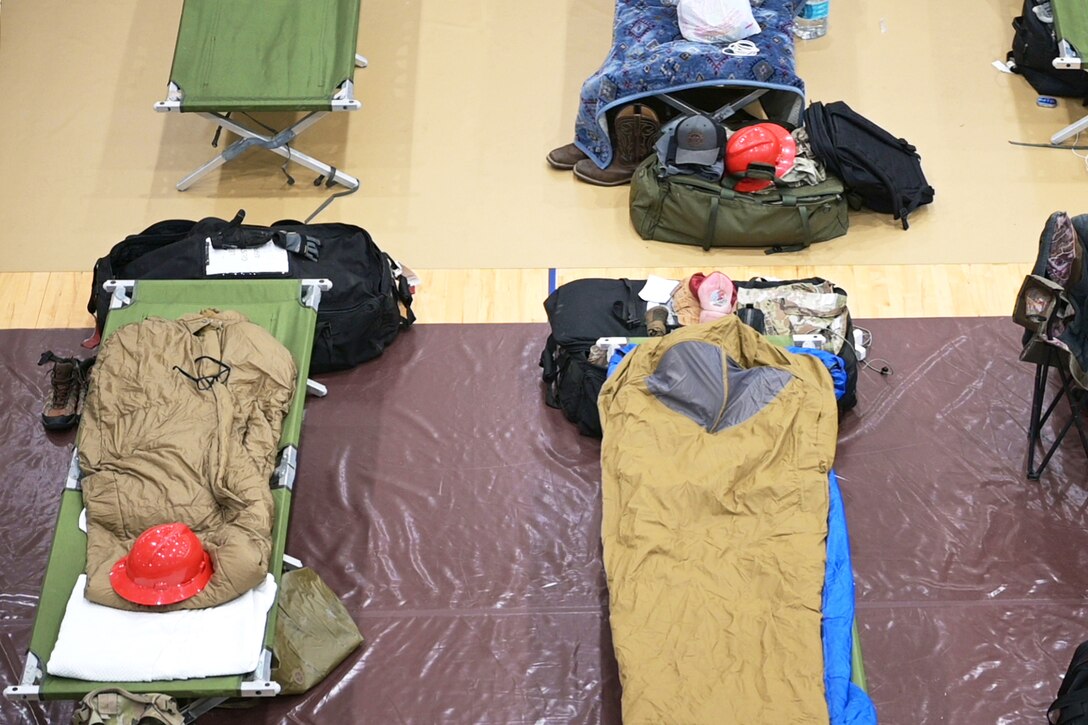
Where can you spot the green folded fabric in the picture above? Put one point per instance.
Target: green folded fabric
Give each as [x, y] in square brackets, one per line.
[266, 55]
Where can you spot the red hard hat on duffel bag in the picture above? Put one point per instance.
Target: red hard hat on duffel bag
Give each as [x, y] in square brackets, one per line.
[759, 153]
[167, 564]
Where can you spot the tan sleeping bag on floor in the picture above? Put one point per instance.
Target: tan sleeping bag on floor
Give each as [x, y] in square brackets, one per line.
[715, 457]
[155, 447]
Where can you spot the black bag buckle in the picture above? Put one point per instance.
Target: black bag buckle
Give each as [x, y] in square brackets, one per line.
[763, 172]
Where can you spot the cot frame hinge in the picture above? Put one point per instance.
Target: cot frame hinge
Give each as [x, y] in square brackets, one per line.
[174, 96]
[28, 689]
[120, 291]
[311, 292]
[259, 683]
[286, 468]
[75, 475]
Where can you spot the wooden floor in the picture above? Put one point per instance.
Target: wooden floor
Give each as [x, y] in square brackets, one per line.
[59, 299]
[433, 198]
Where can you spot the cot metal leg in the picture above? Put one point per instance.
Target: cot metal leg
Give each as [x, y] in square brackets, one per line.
[315, 388]
[1070, 131]
[361, 61]
[201, 172]
[731, 108]
[678, 104]
[721, 113]
[277, 144]
[196, 708]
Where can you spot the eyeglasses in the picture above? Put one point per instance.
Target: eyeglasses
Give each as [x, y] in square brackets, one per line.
[205, 382]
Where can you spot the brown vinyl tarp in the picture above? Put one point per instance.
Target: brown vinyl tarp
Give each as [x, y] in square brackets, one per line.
[459, 519]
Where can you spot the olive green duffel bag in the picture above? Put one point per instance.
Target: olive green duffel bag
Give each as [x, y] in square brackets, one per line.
[691, 210]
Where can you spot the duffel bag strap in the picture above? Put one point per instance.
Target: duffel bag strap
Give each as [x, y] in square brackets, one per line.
[712, 223]
[791, 200]
[404, 294]
[402, 289]
[547, 361]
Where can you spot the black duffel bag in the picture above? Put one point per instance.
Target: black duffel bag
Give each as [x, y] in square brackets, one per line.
[358, 318]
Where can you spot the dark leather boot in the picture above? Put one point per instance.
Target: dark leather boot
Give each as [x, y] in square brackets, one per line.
[60, 410]
[635, 130]
[565, 157]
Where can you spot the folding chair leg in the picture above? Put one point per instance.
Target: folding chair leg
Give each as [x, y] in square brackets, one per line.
[1035, 425]
[1039, 417]
[277, 144]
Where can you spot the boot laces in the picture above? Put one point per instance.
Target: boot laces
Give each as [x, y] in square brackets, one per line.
[62, 386]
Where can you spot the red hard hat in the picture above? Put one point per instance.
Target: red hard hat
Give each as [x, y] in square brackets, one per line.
[166, 564]
[763, 143]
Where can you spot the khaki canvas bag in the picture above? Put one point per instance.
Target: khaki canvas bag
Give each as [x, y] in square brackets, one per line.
[314, 632]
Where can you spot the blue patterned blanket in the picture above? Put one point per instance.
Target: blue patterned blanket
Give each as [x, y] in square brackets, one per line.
[649, 57]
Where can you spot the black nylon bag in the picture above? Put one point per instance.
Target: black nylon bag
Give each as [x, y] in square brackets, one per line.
[1071, 705]
[880, 171]
[573, 385]
[581, 312]
[358, 318]
[1034, 49]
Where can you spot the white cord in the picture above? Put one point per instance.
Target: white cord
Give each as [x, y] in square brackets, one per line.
[744, 48]
[1084, 158]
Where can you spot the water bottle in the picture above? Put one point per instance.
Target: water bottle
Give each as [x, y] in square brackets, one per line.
[812, 22]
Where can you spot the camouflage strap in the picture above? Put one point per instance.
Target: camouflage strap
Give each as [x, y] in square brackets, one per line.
[114, 706]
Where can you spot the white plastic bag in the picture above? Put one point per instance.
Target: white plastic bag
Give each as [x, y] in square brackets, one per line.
[716, 21]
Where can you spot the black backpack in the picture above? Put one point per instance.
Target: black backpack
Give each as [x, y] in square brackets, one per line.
[358, 318]
[1071, 705]
[880, 171]
[1034, 49]
[581, 312]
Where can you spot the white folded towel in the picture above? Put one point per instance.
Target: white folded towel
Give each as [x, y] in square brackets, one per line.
[113, 645]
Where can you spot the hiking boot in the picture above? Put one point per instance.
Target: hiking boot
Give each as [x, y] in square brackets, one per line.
[597, 356]
[636, 128]
[565, 157]
[657, 319]
[60, 410]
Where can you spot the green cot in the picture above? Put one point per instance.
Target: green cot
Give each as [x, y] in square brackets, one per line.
[288, 310]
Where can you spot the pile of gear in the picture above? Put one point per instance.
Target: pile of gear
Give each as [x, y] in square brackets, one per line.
[754, 183]
[594, 320]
